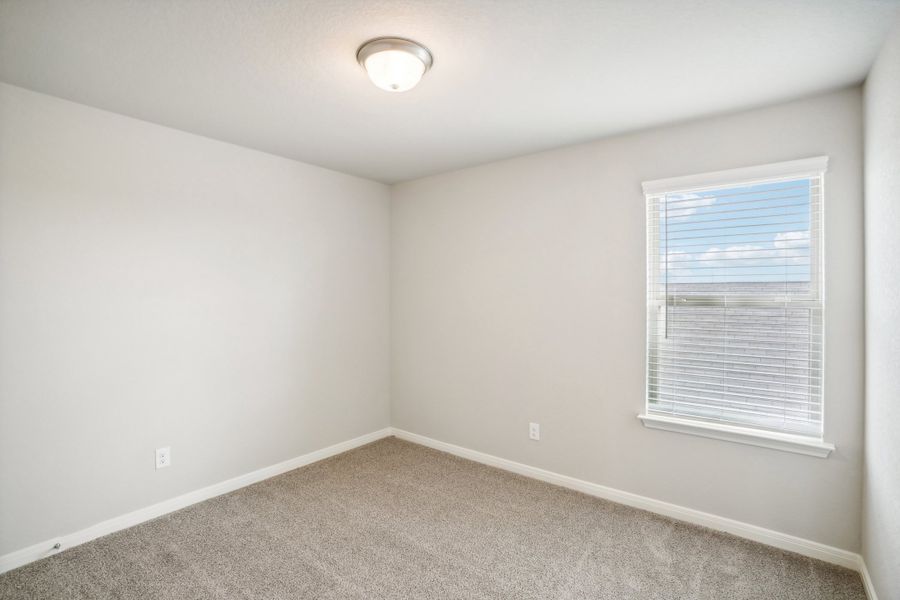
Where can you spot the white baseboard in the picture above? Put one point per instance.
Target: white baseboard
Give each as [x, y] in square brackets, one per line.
[46, 548]
[769, 537]
[867, 580]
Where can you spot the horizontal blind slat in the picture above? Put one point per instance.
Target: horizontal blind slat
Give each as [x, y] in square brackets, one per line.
[720, 196]
[748, 364]
[680, 385]
[723, 377]
[738, 410]
[731, 372]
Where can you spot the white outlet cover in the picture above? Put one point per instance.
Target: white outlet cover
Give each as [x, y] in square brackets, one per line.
[534, 431]
[163, 457]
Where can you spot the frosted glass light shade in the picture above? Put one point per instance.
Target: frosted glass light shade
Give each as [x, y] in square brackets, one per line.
[394, 64]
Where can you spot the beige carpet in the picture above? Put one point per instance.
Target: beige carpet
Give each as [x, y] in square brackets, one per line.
[397, 520]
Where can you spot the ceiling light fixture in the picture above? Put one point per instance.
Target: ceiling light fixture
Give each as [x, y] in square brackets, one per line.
[394, 64]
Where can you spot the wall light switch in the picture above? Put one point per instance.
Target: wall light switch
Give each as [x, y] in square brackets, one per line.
[534, 431]
[163, 457]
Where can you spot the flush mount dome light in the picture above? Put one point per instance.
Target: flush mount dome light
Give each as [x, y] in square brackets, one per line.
[394, 64]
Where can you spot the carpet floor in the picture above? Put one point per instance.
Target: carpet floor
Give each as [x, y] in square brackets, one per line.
[398, 520]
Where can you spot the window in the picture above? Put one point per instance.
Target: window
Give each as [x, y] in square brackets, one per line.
[735, 305]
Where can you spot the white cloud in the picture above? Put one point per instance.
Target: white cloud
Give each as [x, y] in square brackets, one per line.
[786, 248]
[687, 205]
[679, 261]
[791, 239]
[743, 252]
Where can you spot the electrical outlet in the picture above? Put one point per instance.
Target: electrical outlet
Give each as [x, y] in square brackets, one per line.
[534, 431]
[163, 457]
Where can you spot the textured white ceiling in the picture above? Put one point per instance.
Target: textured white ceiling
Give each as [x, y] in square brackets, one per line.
[510, 76]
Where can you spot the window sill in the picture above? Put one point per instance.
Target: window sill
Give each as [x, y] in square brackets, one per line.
[740, 435]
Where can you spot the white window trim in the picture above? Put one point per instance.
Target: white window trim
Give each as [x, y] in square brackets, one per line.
[807, 167]
[741, 435]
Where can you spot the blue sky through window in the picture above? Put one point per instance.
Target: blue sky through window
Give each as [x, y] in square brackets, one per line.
[753, 233]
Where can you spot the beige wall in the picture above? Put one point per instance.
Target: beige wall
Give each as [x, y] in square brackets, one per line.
[160, 288]
[518, 294]
[881, 504]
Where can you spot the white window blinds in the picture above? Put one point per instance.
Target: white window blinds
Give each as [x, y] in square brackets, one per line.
[734, 298]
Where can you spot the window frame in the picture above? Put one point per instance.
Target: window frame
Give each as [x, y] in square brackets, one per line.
[797, 169]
